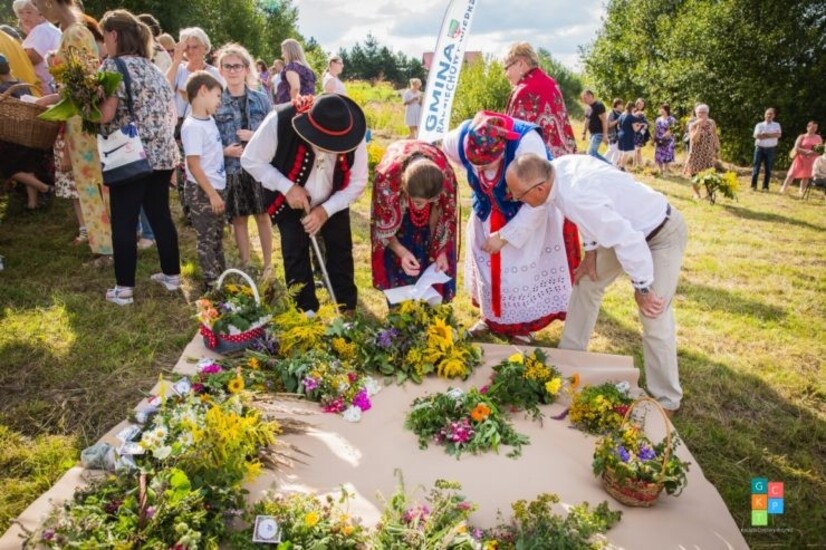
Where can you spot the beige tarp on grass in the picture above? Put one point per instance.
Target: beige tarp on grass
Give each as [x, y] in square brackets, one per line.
[363, 457]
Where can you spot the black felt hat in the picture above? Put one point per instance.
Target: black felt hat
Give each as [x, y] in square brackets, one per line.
[335, 123]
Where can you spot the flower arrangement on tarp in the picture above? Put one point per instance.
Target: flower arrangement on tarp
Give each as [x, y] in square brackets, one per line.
[306, 521]
[600, 409]
[418, 339]
[534, 525]
[462, 422]
[525, 381]
[635, 470]
[441, 521]
[182, 462]
[323, 377]
[82, 89]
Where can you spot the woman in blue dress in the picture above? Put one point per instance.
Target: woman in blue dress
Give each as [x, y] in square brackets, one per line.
[626, 131]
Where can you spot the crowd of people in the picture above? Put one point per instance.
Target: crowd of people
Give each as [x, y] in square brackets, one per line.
[241, 140]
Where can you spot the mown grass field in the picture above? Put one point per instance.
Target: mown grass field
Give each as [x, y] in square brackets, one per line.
[750, 308]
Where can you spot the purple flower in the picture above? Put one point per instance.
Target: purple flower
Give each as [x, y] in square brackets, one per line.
[362, 401]
[476, 533]
[150, 512]
[310, 383]
[212, 368]
[623, 453]
[484, 390]
[197, 388]
[647, 453]
[48, 534]
[386, 337]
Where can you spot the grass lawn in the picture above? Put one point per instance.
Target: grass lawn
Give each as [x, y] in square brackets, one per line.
[750, 308]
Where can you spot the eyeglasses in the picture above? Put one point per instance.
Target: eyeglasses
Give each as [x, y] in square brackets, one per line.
[511, 64]
[521, 195]
[233, 66]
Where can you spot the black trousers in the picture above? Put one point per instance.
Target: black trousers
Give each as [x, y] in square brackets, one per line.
[295, 249]
[151, 193]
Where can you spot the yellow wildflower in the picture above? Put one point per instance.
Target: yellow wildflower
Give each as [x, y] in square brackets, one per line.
[491, 545]
[408, 307]
[452, 366]
[516, 358]
[253, 363]
[344, 349]
[553, 386]
[311, 519]
[536, 370]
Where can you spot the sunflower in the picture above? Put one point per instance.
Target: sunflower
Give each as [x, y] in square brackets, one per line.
[236, 385]
[440, 334]
[452, 367]
[574, 381]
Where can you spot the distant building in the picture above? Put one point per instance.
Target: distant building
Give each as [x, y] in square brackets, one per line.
[470, 57]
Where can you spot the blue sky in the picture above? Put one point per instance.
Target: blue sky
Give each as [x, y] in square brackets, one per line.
[559, 26]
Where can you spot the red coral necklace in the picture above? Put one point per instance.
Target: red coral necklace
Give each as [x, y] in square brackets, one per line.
[419, 218]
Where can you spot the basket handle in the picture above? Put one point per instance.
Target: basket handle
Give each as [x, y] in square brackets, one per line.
[247, 278]
[667, 453]
[5, 95]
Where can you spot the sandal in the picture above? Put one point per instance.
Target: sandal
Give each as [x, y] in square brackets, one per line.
[169, 282]
[82, 237]
[120, 295]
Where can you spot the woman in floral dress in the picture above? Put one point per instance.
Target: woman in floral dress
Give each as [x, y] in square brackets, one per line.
[81, 145]
[664, 138]
[705, 145]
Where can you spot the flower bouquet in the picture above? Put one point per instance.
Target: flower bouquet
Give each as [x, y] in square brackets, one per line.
[82, 89]
[726, 184]
[163, 510]
[215, 379]
[306, 521]
[417, 340]
[232, 316]
[462, 422]
[323, 377]
[634, 470]
[441, 522]
[600, 409]
[524, 382]
[535, 525]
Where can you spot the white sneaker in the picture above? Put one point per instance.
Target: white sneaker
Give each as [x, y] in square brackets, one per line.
[143, 244]
[120, 295]
[170, 282]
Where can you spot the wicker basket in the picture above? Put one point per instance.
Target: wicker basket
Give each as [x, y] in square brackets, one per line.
[19, 123]
[228, 343]
[632, 492]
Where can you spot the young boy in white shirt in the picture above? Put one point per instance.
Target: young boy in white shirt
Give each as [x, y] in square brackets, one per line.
[205, 176]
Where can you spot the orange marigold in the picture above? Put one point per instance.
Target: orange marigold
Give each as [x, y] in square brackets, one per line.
[480, 412]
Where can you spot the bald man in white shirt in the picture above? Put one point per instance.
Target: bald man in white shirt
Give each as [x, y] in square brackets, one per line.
[625, 226]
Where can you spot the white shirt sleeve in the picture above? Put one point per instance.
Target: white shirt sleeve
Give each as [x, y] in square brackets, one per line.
[450, 146]
[259, 152]
[757, 129]
[192, 138]
[340, 200]
[599, 222]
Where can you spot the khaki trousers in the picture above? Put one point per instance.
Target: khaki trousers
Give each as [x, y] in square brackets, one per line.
[659, 336]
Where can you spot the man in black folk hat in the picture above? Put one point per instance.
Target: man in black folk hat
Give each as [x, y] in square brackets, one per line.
[311, 158]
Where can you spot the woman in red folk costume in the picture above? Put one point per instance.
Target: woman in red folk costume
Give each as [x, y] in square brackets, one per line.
[413, 216]
[519, 289]
[536, 98]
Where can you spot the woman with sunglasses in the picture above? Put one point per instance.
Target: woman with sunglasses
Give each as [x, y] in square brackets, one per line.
[413, 217]
[241, 112]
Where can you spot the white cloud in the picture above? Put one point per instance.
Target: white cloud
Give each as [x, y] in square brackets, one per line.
[559, 26]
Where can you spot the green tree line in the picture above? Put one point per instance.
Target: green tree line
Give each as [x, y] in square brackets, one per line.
[737, 56]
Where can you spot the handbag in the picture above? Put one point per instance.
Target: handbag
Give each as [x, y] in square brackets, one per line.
[122, 156]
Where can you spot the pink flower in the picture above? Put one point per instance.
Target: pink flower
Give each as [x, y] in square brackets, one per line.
[484, 389]
[362, 401]
[197, 388]
[336, 406]
[212, 368]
